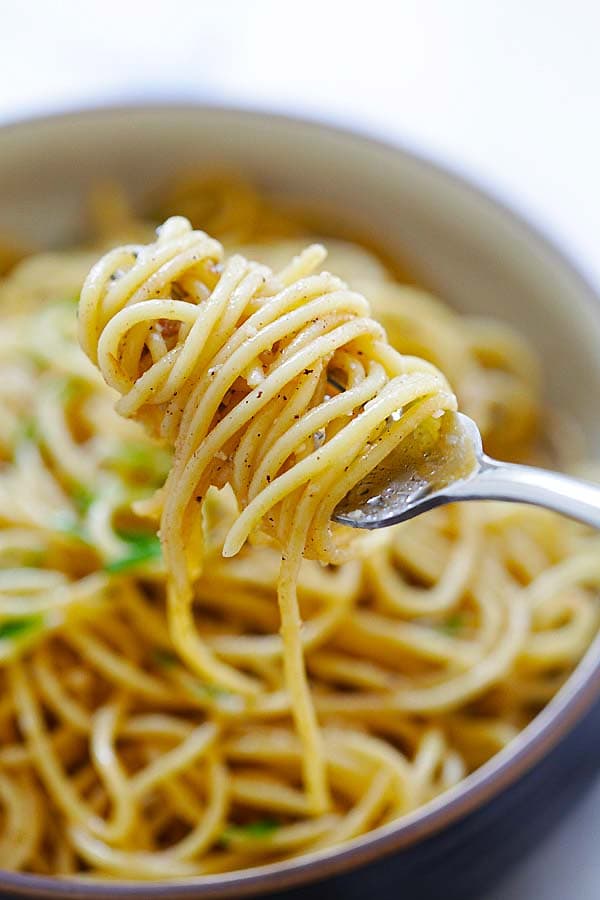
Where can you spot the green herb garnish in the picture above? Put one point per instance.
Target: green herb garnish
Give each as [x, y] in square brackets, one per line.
[29, 431]
[39, 361]
[20, 628]
[67, 523]
[453, 624]
[82, 497]
[35, 558]
[136, 458]
[142, 547]
[261, 828]
[211, 690]
[71, 390]
[164, 658]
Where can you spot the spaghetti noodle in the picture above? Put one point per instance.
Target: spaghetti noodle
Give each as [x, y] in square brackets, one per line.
[154, 724]
[281, 387]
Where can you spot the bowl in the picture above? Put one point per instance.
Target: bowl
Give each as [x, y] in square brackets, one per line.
[481, 258]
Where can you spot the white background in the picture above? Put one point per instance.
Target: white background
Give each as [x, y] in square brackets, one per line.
[506, 90]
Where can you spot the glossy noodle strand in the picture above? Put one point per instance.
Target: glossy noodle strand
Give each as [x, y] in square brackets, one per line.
[258, 683]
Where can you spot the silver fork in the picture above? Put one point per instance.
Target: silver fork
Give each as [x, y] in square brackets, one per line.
[457, 469]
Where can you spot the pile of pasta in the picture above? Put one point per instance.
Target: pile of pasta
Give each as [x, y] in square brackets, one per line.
[122, 754]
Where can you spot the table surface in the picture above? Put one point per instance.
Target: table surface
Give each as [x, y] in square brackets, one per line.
[506, 92]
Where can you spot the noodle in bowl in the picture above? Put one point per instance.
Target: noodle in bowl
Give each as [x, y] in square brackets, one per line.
[428, 621]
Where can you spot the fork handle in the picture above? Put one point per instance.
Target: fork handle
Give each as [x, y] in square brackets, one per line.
[572, 497]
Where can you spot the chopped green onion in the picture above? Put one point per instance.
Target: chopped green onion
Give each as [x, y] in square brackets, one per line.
[143, 547]
[20, 628]
[261, 828]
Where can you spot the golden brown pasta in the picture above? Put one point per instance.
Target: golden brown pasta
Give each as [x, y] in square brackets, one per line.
[152, 735]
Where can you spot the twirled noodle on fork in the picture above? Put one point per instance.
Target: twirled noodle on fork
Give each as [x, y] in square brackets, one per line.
[280, 385]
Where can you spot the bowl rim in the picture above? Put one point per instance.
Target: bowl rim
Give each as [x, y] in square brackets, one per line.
[539, 737]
